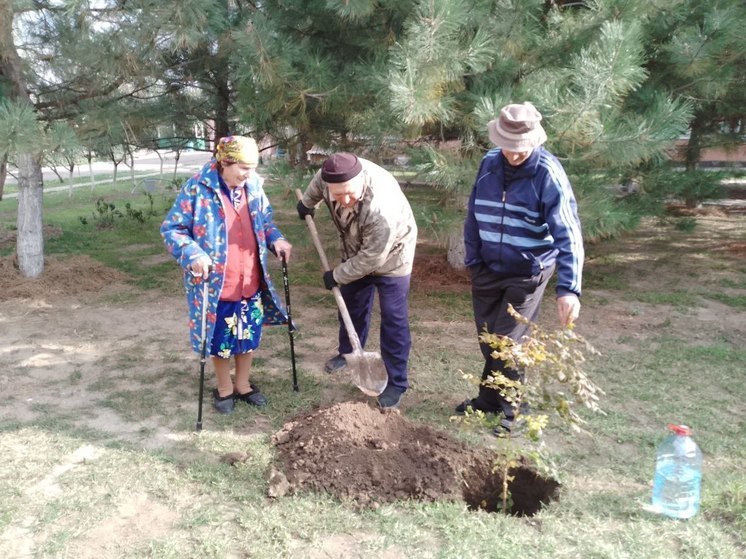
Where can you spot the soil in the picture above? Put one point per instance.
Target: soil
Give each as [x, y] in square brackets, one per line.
[370, 456]
[68, 276]
[428, 273]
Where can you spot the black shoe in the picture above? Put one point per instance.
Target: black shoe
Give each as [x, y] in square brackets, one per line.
[473, 405]
[508, 425]
[223, 404]
[336, 363]
[390, 397]
[253, 398]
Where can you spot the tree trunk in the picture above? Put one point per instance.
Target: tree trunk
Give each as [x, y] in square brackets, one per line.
[698, 129]
[3, 173]
[71, 177]
[132, 170]
[222, 97]
[89, 157]
[456, 250]
[177, 156]
[30, 242]
[222, 127]
[694, 145]
[56, 172]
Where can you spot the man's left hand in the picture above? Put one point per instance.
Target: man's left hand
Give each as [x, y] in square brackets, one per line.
[303, 211]
[329, 280]
[568, 308]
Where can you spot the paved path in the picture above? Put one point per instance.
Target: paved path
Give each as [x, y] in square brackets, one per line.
[86, 184]
[147, 164]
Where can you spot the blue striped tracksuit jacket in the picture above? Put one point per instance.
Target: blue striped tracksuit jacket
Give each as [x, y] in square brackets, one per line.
[521, 228]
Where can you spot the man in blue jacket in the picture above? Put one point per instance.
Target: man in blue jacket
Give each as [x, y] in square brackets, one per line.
[521, 224]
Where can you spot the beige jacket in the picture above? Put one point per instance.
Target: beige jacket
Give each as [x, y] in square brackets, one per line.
[381, 233]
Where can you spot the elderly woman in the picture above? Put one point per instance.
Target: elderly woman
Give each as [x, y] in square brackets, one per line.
[219, 230]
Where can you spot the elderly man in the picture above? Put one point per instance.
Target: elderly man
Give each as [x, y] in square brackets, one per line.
[521, 223]
[377, 234]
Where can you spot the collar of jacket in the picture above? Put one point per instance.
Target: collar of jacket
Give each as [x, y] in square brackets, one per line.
[525, 169]
[210, 177]
[366, 184]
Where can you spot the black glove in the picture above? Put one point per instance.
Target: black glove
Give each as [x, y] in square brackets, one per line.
[303, 211]
[329, 280]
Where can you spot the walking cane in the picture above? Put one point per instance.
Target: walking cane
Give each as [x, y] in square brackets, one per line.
[290, 319]
[203, 355]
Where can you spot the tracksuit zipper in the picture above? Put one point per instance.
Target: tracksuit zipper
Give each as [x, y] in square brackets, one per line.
[502, 222]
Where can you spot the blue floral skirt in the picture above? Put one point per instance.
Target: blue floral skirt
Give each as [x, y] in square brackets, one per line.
[238, 327]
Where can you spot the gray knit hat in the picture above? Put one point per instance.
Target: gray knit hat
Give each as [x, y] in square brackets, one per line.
[517, 128]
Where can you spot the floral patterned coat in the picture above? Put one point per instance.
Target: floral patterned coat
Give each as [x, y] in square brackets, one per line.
[195, 226]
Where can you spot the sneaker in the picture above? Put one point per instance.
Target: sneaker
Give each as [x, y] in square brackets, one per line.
[253, 398]
[390, 397]
[336, 363]
[223, 404]
[473, 405]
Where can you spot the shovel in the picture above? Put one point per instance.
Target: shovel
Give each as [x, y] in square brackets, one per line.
[366, 368]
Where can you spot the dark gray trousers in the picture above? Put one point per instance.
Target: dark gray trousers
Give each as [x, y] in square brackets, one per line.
[491, 295]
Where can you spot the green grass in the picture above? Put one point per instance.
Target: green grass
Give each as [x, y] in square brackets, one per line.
[734, 301]
[96, 463]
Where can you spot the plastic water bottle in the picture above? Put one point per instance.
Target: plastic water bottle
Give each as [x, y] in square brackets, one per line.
[678, 474]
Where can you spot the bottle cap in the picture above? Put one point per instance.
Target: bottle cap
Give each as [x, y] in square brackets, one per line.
[680, 429]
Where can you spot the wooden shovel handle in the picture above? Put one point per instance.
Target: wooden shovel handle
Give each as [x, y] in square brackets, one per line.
[351, 333]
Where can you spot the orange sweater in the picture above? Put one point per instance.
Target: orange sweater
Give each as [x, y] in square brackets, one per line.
[242, 267]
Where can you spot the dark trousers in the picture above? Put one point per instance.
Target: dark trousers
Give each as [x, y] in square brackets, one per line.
[491, 296]
[396, 341]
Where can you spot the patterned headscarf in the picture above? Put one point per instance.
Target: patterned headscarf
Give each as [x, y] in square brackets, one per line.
[238, 149]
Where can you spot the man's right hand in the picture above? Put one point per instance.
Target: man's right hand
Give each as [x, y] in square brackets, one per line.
[329, 281]
[303, 211]
[568, 308]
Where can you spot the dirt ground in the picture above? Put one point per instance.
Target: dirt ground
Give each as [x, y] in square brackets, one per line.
[81, 326]
[351, 450]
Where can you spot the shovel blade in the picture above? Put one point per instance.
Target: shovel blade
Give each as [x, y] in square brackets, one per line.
[367, 371]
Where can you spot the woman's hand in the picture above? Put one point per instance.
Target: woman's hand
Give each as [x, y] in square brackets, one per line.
[283, 247]
[201, 267]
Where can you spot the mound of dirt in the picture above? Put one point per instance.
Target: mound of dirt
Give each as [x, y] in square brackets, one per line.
[432, 272]
[356, 452]
[8, 236]
[63, 276]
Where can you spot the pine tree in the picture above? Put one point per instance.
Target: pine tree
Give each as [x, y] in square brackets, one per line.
[697, 53]
[582, 64]
[75, 56]
[17, 110]
[312, 71]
